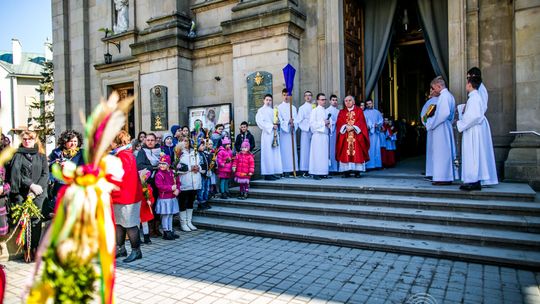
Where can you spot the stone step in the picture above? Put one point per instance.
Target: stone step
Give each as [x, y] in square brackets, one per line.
[400, 186]
[523, 223]
[458, 251]
[399, 201]
[406, 229]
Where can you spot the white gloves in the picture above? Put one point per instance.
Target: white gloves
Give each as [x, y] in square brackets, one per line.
[36, 189]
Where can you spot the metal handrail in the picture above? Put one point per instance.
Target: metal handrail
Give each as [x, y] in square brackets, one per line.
[525, 132]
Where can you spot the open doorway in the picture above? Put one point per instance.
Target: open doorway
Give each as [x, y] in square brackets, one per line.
[403, 86]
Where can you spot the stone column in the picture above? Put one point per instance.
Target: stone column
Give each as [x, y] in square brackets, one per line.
[523, 163]
[265, 37]
[457, 53]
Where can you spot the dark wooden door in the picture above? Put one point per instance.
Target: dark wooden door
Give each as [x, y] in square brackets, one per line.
[353, 18]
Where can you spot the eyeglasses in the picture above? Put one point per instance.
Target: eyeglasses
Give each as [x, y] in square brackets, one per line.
[28, 139]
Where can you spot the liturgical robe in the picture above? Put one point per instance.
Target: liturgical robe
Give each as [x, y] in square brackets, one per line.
[429, 137]
[333, 111]
[352, 148]
[484, 94]
[443, 145]
[478, 159]
[318, 156]
[270, 156]
[305, 137]
[374, 120]
[285, 141]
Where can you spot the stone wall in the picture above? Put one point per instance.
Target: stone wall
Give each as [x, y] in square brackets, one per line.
[523, 163]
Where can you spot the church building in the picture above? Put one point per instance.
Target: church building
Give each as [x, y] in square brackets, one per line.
[215, 59]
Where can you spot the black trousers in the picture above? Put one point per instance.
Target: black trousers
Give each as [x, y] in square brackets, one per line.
[186, 199]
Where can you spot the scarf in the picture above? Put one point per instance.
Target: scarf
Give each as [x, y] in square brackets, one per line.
[70, 153]
[152, 155]
[120, 149]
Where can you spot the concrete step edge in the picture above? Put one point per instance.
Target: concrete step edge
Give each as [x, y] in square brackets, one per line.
[478, 254]
[442, 191]
[518, 222]
[443, 203]
[386, 227]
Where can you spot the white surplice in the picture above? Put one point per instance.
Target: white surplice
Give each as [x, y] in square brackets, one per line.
[478, 159]
[270, 156]
[334, 164]
[443, 144]
[374, 121]
[429, 137]
[318, 156]
[304, 113]
[285, 141]
[485, 97]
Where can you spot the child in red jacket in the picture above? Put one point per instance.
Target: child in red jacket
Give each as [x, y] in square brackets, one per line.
[244, 167]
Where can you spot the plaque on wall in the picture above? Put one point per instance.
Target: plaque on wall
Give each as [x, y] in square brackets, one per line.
[258, 85]
[158, 108]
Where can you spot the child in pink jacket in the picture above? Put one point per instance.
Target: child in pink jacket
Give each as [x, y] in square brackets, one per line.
[168, 189]
[224, 162]
[244, 167]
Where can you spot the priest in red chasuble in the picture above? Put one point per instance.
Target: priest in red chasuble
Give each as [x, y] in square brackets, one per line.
[352, 144]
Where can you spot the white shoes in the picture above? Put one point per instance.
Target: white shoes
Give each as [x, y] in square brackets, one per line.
[189, 217]
[183, 221]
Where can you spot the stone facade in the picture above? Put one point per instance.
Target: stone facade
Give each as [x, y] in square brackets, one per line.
[235, 38]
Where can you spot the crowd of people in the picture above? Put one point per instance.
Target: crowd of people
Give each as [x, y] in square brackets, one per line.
[164, 177]
[166, 174]
[358, 138]
[332, 141]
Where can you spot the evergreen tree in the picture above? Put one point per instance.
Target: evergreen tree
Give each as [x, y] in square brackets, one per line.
[43, 123]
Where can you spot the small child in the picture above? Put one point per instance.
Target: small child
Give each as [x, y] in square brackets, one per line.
[204, 161]
[169, 188]
[388, 155]
[211, 173]
[146, 205]
[244, 167]
[224, 161]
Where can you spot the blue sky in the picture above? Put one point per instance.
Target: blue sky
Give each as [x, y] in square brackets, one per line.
[29, 21]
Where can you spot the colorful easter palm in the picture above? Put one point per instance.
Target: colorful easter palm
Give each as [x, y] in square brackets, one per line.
[83, 226]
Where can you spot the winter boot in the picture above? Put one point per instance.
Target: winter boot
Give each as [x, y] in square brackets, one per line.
[189, 218]
[134, 255]
[147, 239]
[183, 221]
[121, 251]
[167, 235]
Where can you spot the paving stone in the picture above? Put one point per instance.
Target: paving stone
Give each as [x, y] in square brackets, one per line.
[216, 267]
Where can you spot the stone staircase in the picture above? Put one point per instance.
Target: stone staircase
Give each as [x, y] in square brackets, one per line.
[498, 225]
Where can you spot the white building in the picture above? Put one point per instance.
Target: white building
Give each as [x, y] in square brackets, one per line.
[20, 73]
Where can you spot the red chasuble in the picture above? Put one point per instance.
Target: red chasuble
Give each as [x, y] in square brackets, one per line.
[350, 146]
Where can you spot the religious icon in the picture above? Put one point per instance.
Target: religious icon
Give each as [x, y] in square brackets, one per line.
[157, 91]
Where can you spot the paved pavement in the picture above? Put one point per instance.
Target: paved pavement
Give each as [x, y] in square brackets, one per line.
[218, 267]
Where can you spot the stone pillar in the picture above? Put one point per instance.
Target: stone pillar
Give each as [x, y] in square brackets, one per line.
[163, 50]
[265, 37]
[523, 163]
[335, 50]
[457, 53]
